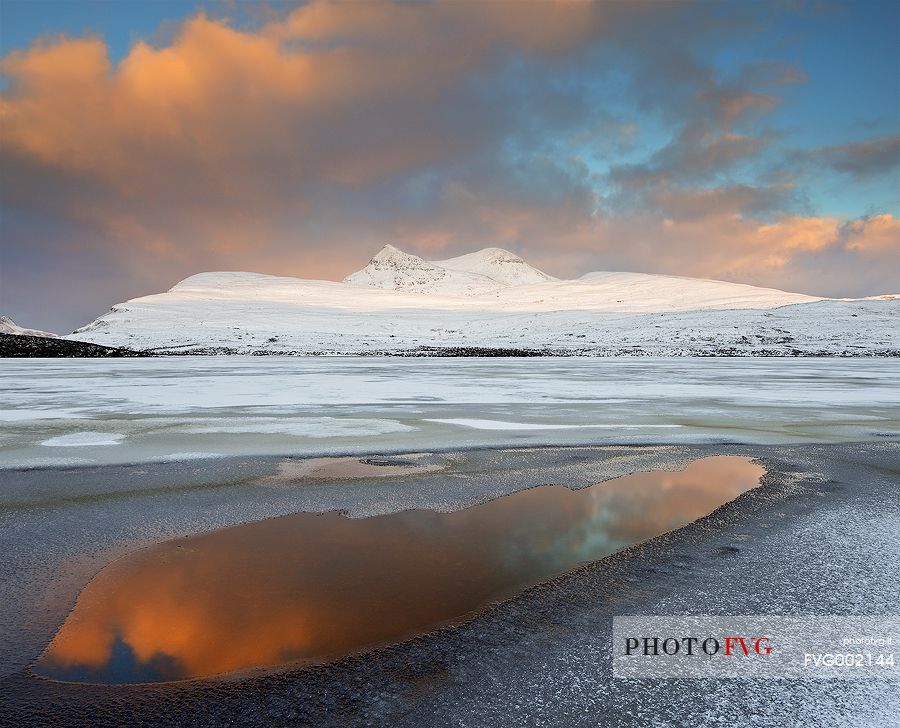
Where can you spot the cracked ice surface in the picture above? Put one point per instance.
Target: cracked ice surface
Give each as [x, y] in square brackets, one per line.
[104, 411]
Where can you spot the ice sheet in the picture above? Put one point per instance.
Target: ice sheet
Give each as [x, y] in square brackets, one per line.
[499, 425]
[84, 439]
[170, 408]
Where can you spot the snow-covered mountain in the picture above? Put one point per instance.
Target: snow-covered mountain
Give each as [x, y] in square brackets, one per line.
[499, 265]
[486, 271]
[491, 299]
[8, 326]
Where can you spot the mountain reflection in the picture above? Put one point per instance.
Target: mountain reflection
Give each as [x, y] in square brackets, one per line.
[316, 586]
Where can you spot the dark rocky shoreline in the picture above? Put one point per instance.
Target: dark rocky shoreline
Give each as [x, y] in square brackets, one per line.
[822, 536]
[20, 346]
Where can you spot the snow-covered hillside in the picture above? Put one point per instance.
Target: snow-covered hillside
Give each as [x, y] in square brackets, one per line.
[392, 269]
[491, 299]
[497, 264]
[487, 271]
[8, 326]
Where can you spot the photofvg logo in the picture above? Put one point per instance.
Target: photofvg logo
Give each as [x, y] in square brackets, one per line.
[733, 645]
[756, 646]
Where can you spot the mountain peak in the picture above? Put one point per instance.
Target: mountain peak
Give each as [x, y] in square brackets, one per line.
[8, 326]
[394, 257]
[499, 265]
[500, 255]
[393, 269]
[389, 252]
[489, 269]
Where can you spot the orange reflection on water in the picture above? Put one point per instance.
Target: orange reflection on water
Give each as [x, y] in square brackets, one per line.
[314, 586]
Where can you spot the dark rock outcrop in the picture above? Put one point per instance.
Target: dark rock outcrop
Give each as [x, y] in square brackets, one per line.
[18, 345]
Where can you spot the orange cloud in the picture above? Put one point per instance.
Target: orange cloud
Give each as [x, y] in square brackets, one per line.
[469, 26]
[218, 95]
[212, 141]
[801, 253]
[874, 236]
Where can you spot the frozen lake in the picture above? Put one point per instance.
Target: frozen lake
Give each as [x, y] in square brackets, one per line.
[69, 412]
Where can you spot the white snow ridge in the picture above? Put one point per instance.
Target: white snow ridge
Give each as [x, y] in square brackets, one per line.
[486, 271]
[8, 326]
[492, 299]
[395, 270]
[497, 264]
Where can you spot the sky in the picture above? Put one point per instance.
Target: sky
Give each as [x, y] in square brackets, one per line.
[143, 141]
